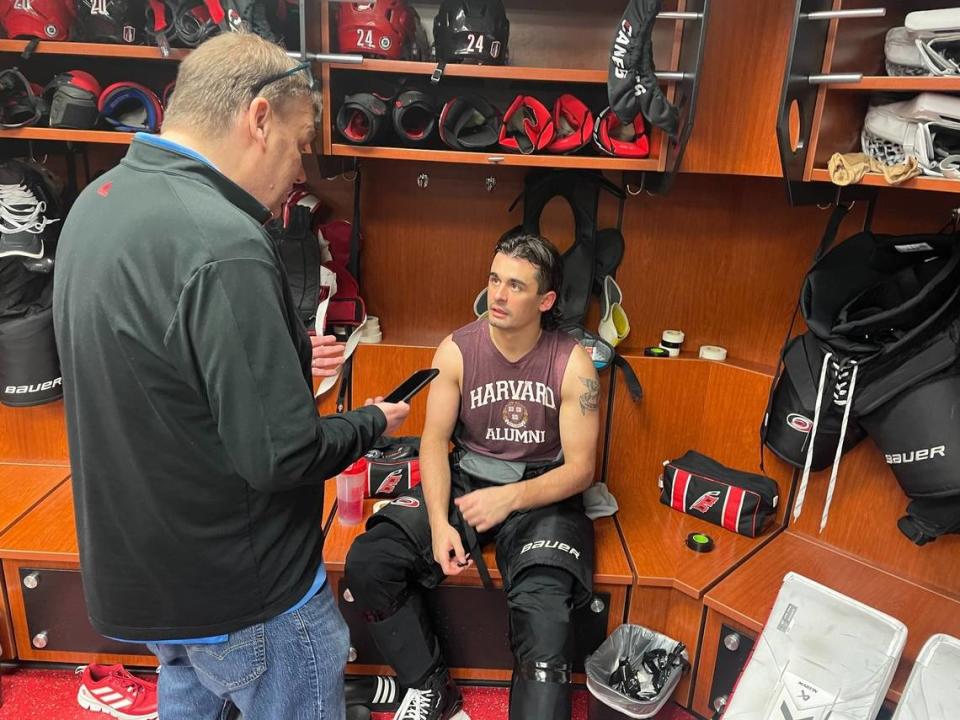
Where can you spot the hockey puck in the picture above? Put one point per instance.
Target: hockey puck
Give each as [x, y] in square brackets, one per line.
[700, 542]
[656, 351]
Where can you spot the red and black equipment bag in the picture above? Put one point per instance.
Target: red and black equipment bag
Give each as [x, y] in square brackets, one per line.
[393, 466]
[700, 486]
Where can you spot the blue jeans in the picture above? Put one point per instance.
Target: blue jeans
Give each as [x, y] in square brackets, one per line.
[288, 668]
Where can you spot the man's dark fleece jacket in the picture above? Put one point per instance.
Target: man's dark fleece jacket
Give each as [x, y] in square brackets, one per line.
[197, 454]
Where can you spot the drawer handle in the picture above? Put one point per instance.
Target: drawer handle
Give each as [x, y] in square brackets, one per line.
[32, 580]
[40, 640]
[352, 656]
[347, 595]
[597, 606]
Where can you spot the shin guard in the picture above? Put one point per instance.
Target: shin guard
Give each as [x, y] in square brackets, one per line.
[540, 690]
[407, 643]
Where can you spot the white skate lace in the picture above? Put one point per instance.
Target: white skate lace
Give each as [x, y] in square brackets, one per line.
[416, 705]
[20, 210]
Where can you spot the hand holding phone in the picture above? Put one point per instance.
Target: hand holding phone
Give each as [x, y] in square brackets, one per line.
[411, 386]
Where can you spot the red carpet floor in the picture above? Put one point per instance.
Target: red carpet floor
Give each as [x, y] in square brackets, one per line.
[52, 695]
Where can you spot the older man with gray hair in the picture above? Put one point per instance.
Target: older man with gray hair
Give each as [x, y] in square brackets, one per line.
[197, 454]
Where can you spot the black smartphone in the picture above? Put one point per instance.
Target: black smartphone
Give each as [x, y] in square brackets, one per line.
[411, 386]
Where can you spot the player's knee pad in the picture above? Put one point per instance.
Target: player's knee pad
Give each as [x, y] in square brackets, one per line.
[377, 569]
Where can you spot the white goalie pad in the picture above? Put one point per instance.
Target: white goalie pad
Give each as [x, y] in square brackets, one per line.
[926, 127]
[927, 44]
[932, 691]
[821, 655]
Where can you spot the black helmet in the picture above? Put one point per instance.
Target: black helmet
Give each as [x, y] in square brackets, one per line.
[471, 31]
[109, 21]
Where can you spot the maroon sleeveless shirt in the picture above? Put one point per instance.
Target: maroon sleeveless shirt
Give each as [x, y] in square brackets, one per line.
[511, 410]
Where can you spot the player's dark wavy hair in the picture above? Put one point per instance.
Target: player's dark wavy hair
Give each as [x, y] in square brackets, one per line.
[545, 257]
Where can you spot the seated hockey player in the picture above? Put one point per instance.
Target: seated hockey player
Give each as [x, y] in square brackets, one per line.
[519, 400]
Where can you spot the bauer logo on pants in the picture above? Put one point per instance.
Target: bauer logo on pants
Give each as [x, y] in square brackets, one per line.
[550, 545]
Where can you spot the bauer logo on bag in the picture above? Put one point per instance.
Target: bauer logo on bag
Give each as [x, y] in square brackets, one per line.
[916, 455]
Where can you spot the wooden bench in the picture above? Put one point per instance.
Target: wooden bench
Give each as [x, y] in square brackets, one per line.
[860, 553]
[47, 618]
[42, 546]
[21, 488]
[688, 404]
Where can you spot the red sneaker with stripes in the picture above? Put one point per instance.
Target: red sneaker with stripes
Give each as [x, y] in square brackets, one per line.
[112, 690]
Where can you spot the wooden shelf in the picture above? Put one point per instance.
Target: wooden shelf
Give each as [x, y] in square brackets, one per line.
[936, 184]
[630, 352]
[500, 158]
[498, 72]
[90, 136]
[903, 84]
[134, 52]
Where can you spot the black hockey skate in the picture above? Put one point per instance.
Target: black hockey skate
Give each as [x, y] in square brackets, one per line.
[440, 699]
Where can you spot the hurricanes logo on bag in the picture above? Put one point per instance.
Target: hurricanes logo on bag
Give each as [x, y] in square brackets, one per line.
[706, 501]
[406, 501]
[800, 423]
[390, 482]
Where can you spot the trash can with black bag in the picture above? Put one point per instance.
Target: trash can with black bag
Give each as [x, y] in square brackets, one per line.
[633, 673]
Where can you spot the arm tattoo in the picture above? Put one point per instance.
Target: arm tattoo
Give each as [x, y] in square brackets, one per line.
[590, 400]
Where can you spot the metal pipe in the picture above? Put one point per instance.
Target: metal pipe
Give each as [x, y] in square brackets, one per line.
[345, 58]
[679, 16]
[835, 78]
[302, 4]
[673, 75]
[845, 14]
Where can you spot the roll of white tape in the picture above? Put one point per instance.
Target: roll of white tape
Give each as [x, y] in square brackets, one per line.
[713, 352]
[671, 340]
[674, 337]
